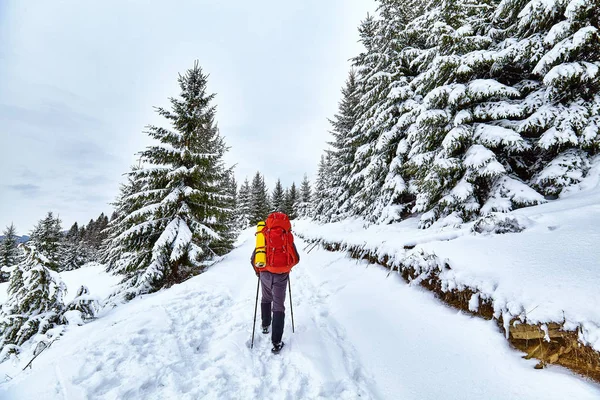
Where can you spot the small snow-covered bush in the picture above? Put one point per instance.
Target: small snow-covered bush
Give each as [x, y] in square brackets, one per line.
[81, 309]
[499, 223]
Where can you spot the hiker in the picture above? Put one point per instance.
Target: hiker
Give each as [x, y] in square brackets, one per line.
[272, 260]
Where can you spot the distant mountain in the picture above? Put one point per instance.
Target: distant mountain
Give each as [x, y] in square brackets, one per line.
[21, 239]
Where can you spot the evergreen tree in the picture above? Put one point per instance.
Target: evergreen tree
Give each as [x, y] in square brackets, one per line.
[359, 139]
[73, 255]
[342, 151]
[9, 252]
[176, 220]
[73, 233]
[551, 51]
[229, 219]
[74, 252]
[384, 78]
[259, 200]
[233, 192]
[464, 108]
[277, 197]
[116, 252]
[35, 301]
[290, 202]
[322, 195]
[243, 205]
[304, 202]
[47, 237]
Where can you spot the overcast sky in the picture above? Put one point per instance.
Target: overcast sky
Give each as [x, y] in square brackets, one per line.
[79, 79]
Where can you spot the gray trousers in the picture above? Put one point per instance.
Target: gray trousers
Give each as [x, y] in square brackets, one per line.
[274, 287]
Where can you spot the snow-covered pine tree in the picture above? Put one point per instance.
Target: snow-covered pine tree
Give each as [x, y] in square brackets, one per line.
[74, 252]
[400, 50]
[463, 152]
[550, 51]
[72, 234]
[116, 250]
[175, 223]
[47, 236]
[323, 199]
[228, 236]
[9, 252]
[342, 152]
[290, 201]
[243, 205]
[259, 200]
[233, 192]
[73, 255]
[384, 75]
[371, 82]
[465, 107]
[277, 197]
[35, 300]
[304, 203]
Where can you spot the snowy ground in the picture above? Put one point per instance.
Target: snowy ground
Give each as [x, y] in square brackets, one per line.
[550, 272]
[358, 335]
[91, 275]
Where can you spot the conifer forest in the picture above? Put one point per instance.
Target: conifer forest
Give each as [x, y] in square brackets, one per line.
[447, 223]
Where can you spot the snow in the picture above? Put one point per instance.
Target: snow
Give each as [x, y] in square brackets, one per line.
[479, 89]
[91, 275]
[359, 334]
[546, 273]
[494, 136]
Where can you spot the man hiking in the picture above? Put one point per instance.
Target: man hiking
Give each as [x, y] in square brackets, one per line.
[272, 259]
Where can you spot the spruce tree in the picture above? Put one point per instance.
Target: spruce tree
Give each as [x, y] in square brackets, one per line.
[73, 255]
[342, 151]
[385, 74]
[74, 252]
[277, 197]
[243, 205]
[73, 233]
[322, 195]
[552, 52]
[9, 252]
[177, 220]
[304, 203]
[464, 108]
[290, 202]
[229, 221]
[35, 300]
[259, 200]
[48, 237]
[116, 251]
[360, 137]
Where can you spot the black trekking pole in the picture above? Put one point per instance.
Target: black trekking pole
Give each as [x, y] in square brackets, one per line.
[291, 308]
[255, 307]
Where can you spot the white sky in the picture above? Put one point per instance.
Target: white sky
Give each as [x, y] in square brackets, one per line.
[79, 79]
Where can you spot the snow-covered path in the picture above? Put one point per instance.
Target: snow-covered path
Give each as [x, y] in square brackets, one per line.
[358, 335]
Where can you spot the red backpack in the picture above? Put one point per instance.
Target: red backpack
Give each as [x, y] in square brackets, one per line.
[281, 252]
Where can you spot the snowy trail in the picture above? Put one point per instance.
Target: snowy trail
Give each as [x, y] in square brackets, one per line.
[358, 335]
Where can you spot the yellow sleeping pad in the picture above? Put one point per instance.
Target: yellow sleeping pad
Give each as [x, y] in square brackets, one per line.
[260, 256]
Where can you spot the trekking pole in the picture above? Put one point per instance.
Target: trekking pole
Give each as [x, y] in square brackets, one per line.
[255, 307]
[311, 249]
[291, 308]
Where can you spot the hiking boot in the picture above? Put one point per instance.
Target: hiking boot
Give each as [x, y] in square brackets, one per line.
[277, 347]
[265, 329]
